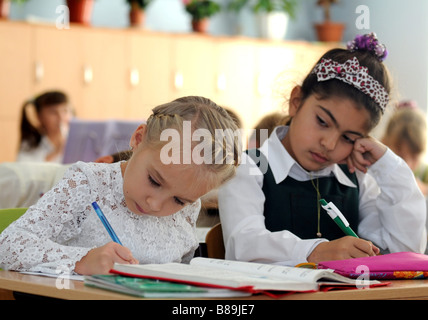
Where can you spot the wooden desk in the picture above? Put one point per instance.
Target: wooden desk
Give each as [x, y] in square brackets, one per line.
[45, 286]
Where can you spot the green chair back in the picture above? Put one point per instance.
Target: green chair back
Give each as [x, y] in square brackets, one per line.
[7, 216]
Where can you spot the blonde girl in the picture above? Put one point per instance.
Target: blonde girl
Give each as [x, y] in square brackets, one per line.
[406, 135]
[152, 206]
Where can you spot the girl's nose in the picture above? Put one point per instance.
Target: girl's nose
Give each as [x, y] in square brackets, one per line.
[154, 204]
[329, 141]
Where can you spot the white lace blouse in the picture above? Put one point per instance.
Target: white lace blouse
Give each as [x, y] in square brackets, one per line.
[62, 227]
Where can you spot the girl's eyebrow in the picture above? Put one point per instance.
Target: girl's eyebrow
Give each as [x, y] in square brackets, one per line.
[336, 123]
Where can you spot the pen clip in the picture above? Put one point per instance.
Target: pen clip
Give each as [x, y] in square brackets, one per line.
[339, 214]
[328, 209]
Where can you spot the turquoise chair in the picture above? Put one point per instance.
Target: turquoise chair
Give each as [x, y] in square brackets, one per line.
[7, 216]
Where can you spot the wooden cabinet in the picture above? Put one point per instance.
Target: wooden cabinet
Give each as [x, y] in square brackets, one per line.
[148, 72]
[193, 65]
[87, 64]
[105, 85]
[235, 78]
[15, 83]
[278, 69]
[123, 74]
[56, 58]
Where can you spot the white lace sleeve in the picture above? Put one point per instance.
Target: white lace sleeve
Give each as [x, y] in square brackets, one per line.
[38, 240]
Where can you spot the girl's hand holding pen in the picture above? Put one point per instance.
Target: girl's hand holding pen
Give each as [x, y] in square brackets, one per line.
[366, 152]
[343, 248]
[101, 260]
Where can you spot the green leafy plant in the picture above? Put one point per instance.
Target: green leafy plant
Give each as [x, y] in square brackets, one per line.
[288, 6]
[142, 4]
[200, 9]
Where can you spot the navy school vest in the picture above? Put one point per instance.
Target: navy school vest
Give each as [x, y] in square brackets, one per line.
[292, 205]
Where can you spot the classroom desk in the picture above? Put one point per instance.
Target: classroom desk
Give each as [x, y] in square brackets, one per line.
[45, 286]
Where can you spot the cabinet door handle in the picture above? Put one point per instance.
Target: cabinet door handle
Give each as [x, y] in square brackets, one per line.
[39, 71]
[134, 77]
[178, 80]
[221, 82]
[88, 74]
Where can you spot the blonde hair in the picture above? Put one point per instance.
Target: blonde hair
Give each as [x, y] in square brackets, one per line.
[407, 126]
[202, 114]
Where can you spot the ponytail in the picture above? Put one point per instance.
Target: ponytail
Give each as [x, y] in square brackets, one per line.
[30, 132]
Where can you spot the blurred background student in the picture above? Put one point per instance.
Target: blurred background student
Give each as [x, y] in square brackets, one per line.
[44, 127]
[406, 135]
[268, 123]
[24, 183]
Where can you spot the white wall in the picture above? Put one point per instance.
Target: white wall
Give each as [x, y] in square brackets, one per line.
[403, 27]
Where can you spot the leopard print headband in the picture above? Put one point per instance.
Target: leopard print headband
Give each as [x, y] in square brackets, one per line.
[353, 74]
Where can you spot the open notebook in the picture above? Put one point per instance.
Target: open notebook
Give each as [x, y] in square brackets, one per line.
[236, 275]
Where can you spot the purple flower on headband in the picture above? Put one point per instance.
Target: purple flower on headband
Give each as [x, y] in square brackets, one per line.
[370, 43]
[381, 52]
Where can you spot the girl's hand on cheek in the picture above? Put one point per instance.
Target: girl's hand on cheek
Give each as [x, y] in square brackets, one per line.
[366, 152]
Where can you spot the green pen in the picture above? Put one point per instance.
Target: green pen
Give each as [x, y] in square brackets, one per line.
[338, 217]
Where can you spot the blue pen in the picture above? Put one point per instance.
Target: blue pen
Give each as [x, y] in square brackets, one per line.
[105, 223]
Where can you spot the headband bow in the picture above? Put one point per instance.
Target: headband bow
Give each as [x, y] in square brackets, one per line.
[352, 73]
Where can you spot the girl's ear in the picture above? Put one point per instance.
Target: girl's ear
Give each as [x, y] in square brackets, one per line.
[295, 100]
[138, 136]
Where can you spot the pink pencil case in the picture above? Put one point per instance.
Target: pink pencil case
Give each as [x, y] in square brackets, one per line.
[400, 265]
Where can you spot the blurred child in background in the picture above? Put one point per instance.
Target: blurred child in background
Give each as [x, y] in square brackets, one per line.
[406, 135]
[44, 127]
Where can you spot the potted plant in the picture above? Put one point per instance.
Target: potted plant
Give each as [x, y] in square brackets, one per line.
[328, 30]
[80, 11]
[5, 7]
[136, 12]
[273, 15]
[201, 10]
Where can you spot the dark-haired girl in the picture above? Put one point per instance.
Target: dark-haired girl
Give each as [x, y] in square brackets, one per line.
[44, 127]
[270, 212]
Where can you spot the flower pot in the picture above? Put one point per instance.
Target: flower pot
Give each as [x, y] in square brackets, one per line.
[273, 25]
[136, 18]
[80, 11]
[200, 25]
[330, 32]
[4, 9]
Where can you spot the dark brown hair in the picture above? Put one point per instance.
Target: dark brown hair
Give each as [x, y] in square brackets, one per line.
[29, 132]
[334, 87]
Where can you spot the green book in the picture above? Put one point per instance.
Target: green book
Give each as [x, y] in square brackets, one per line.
[148, 288]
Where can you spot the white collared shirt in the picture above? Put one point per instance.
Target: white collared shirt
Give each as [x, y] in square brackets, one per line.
[39, 153]
[392, 210]
[23, 183]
